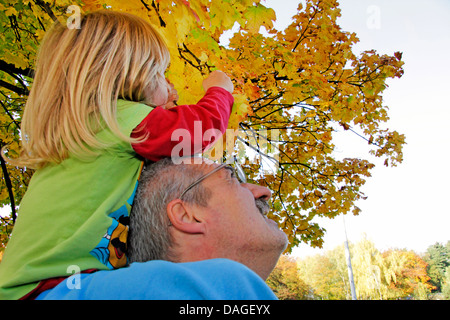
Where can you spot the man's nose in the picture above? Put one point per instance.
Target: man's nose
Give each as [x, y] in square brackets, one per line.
[258, 191]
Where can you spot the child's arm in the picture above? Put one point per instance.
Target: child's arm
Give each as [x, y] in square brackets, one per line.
[213, 112]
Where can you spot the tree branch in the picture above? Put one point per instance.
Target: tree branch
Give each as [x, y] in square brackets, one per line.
[8, 186]
[12, 70]
[10, 115]
[16, 73]
[19, 91]
[45, 6]
[156, 7]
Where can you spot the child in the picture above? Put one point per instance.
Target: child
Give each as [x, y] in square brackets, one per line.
[87, 127]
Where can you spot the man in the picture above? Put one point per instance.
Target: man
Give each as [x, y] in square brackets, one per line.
[196, 232]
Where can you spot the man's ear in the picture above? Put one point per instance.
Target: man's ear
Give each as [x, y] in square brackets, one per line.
[182, 217]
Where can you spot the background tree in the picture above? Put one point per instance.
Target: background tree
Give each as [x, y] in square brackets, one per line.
[409, 277]
[294, 88]
[446, 285]
[392, 274]
[367, 267]
[286, 283]
[438, 258]
[338, 261]
[325, 278]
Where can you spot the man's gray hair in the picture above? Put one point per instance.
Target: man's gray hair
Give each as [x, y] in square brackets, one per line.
[161, 182]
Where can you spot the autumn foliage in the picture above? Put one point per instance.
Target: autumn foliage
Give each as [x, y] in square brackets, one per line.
[297, 85]
[390, 275]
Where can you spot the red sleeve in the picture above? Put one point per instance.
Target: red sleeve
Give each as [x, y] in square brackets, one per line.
[183, 127]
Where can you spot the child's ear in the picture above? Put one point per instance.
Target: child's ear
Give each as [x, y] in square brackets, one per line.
[182, 217]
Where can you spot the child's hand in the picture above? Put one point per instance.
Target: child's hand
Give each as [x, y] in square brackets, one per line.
[172, 96]
[218, 79]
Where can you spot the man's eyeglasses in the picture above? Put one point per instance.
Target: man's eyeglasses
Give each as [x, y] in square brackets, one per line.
[239, 172]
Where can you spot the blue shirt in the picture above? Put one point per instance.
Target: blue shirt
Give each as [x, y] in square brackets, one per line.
[215, 279]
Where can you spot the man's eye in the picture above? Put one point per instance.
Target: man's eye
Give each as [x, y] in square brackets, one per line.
[232, 172]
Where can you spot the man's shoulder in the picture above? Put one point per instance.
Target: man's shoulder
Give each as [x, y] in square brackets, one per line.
[224, 266]
[217, 279]
[212, 279]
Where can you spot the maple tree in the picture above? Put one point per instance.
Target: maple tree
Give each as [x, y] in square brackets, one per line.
[296, 85]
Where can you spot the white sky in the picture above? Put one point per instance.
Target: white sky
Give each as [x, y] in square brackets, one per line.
[406, 205]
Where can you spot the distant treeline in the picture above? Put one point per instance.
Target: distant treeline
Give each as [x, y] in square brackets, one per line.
[387, 275]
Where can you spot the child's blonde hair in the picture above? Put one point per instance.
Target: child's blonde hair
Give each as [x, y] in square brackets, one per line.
[80, 74]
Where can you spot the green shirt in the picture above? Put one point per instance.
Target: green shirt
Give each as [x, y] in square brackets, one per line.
[74, 215]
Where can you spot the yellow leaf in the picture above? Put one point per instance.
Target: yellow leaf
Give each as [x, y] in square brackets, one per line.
[258, 16]
[11, 11]
[239, 112]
